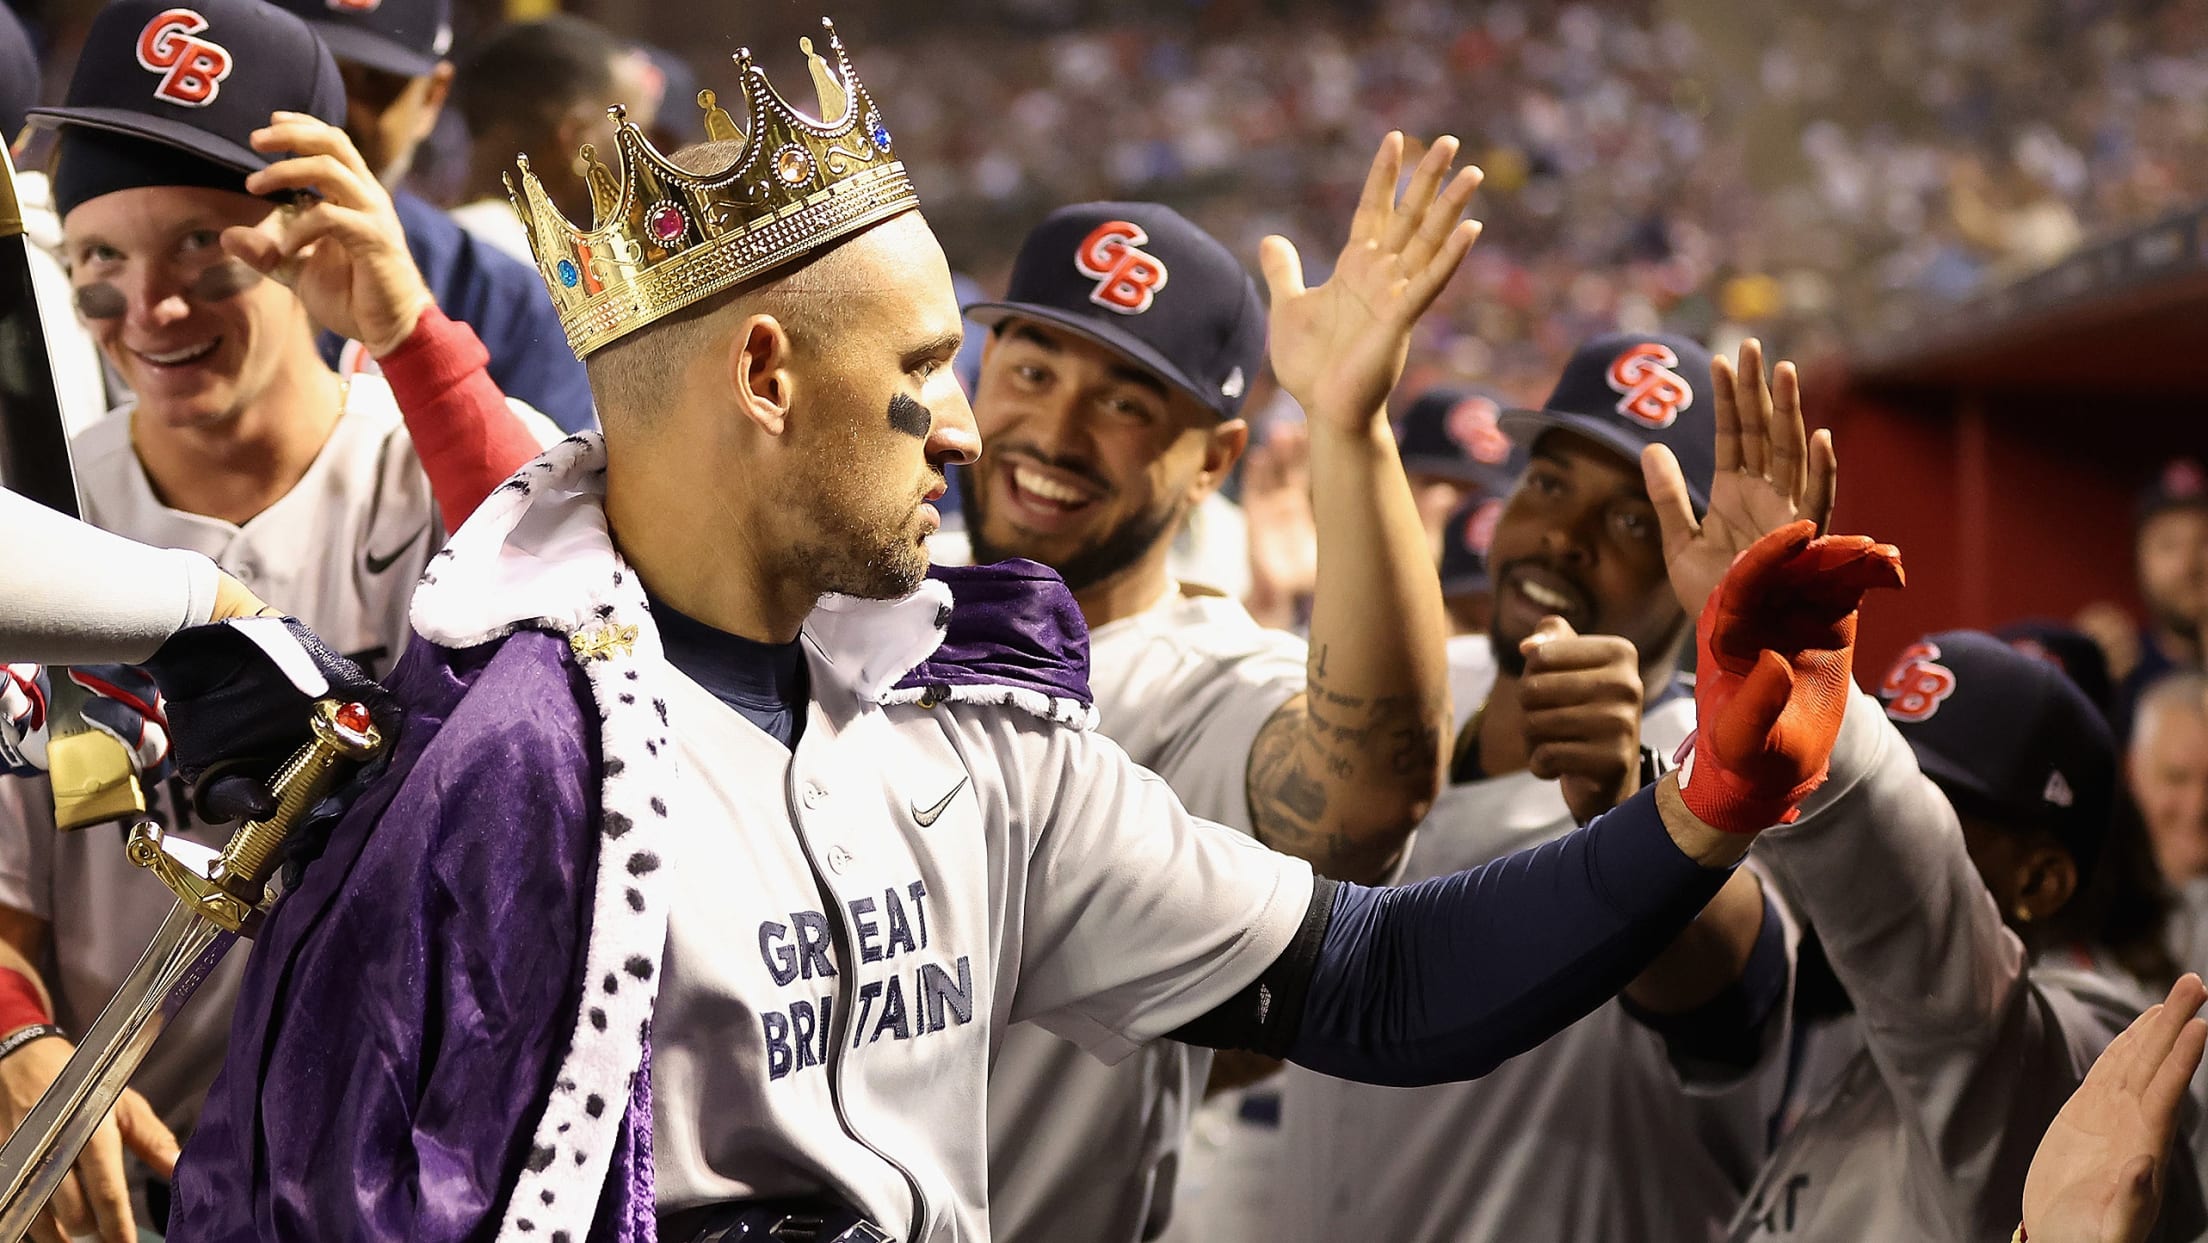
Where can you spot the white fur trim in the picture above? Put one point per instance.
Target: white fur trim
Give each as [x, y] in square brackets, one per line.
[1053, 708]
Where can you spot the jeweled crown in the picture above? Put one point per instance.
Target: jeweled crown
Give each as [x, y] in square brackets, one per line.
[662, 238]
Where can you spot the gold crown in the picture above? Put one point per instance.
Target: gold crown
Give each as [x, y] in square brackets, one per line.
[662, 238]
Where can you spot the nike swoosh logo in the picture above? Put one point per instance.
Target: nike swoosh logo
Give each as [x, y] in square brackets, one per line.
[377, 565]
[928, 816]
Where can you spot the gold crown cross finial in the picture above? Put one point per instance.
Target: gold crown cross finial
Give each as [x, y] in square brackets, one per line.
[833, 98]
[719, 126]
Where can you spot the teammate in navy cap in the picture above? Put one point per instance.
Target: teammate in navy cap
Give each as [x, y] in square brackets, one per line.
[1110, 403]
[198, 154]
[1454, 449]
[1566, 704]
[1949, 1027]
[391, 54]
[2020, 752]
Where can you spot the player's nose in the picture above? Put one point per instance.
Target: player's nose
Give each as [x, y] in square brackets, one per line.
[953, 440]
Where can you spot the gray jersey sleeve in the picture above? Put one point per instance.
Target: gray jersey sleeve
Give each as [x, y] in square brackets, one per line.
[75, 594]
[1976, 1057]
[1136, 917]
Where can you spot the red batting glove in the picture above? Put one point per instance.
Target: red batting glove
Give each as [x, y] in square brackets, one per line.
[1777, 645]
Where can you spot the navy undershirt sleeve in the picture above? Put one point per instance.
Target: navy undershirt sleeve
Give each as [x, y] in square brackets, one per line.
[1445, 979]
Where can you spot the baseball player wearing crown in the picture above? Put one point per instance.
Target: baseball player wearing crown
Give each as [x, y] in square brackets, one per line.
[180, 125]
[723, 840]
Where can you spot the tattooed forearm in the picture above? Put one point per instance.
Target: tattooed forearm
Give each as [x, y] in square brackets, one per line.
[1333, 776]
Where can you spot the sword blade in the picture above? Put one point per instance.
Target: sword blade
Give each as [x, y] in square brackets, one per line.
[41, 1151]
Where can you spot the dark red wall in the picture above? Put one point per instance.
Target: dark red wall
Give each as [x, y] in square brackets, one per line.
[2004, 505]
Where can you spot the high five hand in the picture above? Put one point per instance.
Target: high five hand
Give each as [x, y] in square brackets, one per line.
[1339, 349]
[1769, 473]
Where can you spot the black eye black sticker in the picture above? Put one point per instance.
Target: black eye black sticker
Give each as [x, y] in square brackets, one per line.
[910, 417]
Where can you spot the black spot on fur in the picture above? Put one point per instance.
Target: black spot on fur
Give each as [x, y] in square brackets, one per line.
[567, 1085]
[540, 1157]
[636, 899]
[616, 766]
[595, 1106]
[547, 1196]
[442, 553]
[598, 1018]
[651, 746]
[604, 611]
[579, 1159]
[618, 825]
[660, 706]
[643, 863]
[612, 983]
[639, 966]
[659, 805]
[514, 485]
[618, 576]
[943, 617]
[627, 698]
[524, 1225]
[565, 1127]
[630, 674]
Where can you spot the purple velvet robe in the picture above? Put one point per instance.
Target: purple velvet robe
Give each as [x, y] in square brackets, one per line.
[407, 1005]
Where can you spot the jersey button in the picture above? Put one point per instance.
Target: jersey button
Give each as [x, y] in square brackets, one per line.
[814, 796]
[838, 859]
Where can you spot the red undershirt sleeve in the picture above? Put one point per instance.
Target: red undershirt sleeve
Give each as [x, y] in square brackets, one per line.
[468, 439]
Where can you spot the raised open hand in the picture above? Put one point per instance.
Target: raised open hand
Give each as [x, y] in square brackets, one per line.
[2097, 1177]
[1339, 348]
[345, 254]
[1769, 473]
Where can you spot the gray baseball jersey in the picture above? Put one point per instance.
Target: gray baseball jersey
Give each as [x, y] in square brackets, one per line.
[993, 872]
[1545, 1147]
[1080, 1151]
[341, 551]
[1917, 1116]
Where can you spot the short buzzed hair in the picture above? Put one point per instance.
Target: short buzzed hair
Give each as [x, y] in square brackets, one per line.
[532, 74]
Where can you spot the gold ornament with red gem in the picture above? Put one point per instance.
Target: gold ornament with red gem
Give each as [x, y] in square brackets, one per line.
[661, 238]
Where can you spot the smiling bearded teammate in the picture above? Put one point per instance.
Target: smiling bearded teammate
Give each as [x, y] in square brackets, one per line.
[240, 445]
[1109, 400]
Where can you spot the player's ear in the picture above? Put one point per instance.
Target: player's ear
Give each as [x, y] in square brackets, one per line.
[2047, 878]
[1223, 447]
[760, 379]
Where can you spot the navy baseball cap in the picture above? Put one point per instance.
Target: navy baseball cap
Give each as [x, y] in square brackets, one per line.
[1141, 279]
[197, 79]
[405, 37]
[2072, 651]
[2180, 484]
[18, 74]
[1454, 432]
[2006, 736]
[1465, 538]
[1629, 391]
